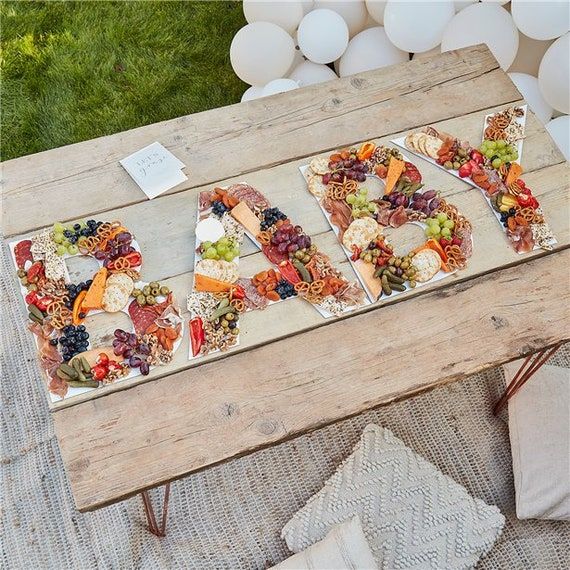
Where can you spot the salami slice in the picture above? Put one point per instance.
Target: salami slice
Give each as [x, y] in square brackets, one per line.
[252, 197]
[412, 173]
[253, 300]
[272, 253]
[143, 316]
[23, 253]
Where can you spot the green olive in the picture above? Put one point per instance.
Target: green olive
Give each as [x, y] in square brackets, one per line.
[306, 259]
[24, 281]
[398, 262]
[412, 284]
[32, 287]
[146, 290]
[392, 260]
[21, 273]
[164, 290]
[230, 316]
[155, 291]
[141, 299]
[405, 264]
[225, 323]
[136, 292]
[456, 165]
[154, 285]
[235, 331]
[150, 300]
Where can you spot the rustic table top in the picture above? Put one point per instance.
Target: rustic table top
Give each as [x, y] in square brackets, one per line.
[294, 371]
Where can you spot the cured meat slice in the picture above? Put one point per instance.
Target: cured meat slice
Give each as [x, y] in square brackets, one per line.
[398, 217]
[248, 194]
[23, 253]
[466, 246]
[383, 216]
[143, 317]
[273, 254]
[204, 200]
[522, 239]
[253, 300]
[412, 173]
[50, 359]
[340, 212]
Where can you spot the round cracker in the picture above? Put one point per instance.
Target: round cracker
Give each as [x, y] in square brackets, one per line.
[319, 165]
[432, 145]
[316, 186]
[360, 233]
[121, 280]
[427, 263]
[114, 299]
[411, 141]
[421, 143]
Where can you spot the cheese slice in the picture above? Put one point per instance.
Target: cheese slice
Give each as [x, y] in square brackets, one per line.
[246, 218]
[515, 171]
[395, 169]
[366, 272]
[94, 298]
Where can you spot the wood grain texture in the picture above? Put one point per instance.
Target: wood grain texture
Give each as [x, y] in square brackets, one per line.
[136, 439]
[86, 178]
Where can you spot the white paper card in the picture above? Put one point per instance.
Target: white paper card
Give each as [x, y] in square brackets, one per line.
[155, 169]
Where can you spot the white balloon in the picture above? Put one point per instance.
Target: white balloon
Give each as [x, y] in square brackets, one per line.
[528, 86]
[353, 12]
[323, 36]
[279, 86]
[483, 24]
[370, 49]
[554, 74]
[417, 26]
[260, 52]
[376, 9]
[251, 93]
[529, 55]
[286, 14]
[298, 58]
[460, 4]
[559, 130]
[309, 73]
[541, 20]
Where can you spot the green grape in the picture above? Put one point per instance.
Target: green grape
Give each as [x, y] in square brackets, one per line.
[221, 248]
[228, 256]
[58, 237]
[223, 241]
[206, 245]
[371, 207]
[351, 199]
[446, 232]
[429, 231]
[492, 144]
[501, 144]
[497, 163]
[449, 224]
[364, 191]
[490, 153]
[441, 217]
[210, 253]
[72, 249]
[61, 250]
[235, 251]
[58, 228]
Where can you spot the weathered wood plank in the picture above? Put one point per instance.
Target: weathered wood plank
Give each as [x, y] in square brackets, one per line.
[86, 178]
[163, 430]
[491, 251]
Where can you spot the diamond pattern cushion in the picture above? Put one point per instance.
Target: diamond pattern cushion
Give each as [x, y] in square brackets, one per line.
[413, 515]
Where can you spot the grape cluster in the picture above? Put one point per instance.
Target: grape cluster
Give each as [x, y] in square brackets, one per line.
[285, 289]
[425, 202]
[74, 290]
[135, 353]
[498, 152]
[219, 208]
[271, 216]
[225, 248]
[361, 206]
[290, 239]
[119, 246]
[351, 169]
[73, 341]
[67, 236]
[439, 226]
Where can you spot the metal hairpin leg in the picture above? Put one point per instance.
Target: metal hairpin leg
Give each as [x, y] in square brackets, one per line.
[530, 365]
[149, 511]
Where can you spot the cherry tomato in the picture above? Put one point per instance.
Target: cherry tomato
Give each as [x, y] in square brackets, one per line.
[103, 359]
[99, 372]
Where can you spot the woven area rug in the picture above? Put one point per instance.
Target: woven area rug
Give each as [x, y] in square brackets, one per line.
[231, 515]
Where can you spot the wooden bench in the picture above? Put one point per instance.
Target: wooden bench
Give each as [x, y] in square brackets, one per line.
[294, 371]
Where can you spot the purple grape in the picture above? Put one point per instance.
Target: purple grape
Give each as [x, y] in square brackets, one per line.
[292, 248]
[116, 343]
[401, 200]
[124, 237]
[128, 353]
[135, 361]
[132, 340]
[361, 177]
[326, 178]
[144, 348]
[119, 349]
[429, 194]
[123, 250]
[417, 196]
[426, 210]
[434, 204]
[144, 368]
[282, 248]
[100, 255]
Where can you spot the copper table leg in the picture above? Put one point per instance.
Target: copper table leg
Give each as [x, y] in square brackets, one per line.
[531, 364]
[153, 527]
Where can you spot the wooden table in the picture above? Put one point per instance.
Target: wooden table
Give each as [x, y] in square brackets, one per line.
[295, 371]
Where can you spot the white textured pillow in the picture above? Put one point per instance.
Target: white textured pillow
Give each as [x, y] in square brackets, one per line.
[412, 514]
[344, 547]
[539, 428]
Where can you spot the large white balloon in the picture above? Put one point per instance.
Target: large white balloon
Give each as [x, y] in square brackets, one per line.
[298, 58]
[251, 93]
[260, 52]
[353, 12]
[323, 36]
[559, 130]
[279, 86]
[554, 74]
[483, 24]
[528, 86]
[541, 20]
[309, 73]
[370, 49]
[417, 26]
[286, 14]
[376, 9]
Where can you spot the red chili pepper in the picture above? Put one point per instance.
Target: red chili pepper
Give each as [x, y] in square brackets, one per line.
[103, 359]
[355, 253]
[35, 271]
[238, 292]
[31, 298]
[197, 335]
[534, 202]
[524, 200]
[289, 272]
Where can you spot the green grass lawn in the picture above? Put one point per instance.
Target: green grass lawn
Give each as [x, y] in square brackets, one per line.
[72, 71]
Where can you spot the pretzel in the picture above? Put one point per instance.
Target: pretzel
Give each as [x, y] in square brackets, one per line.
[313, 298]
[54, 307]
[316, 287]
[302, 287]
[121, 263]
[238, 305]
[264, 238]
[89, 244]
[104, 230]
[340, 190]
